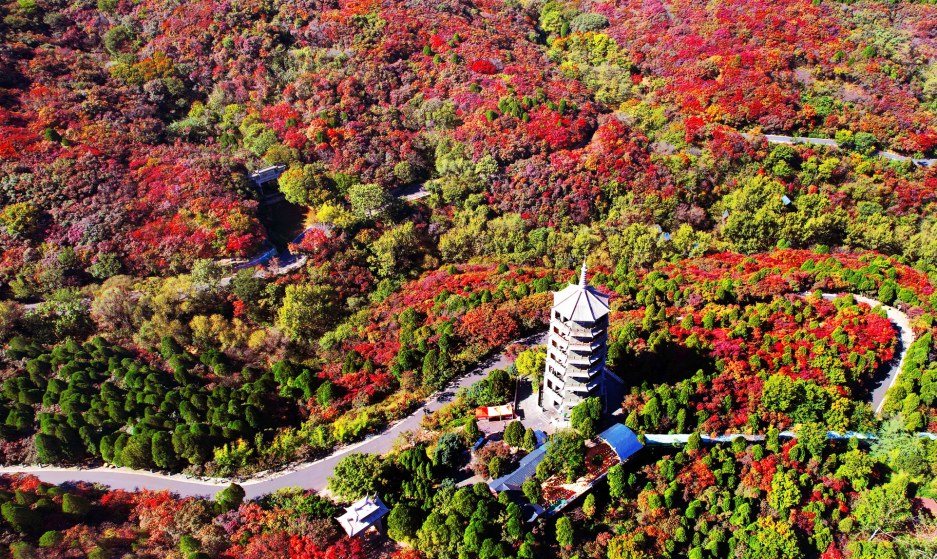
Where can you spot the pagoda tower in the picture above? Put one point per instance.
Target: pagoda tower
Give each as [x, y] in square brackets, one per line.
[576, 349]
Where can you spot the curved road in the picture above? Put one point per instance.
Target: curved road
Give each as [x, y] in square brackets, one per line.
[315, 475]
[310, 475]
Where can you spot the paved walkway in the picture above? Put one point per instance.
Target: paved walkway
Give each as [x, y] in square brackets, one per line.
[905, 338]
[412, 192]
[682, 438]
[311, 475]
[776, 139]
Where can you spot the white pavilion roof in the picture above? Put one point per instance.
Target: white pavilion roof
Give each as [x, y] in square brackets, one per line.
[581, 302]
[362, 514]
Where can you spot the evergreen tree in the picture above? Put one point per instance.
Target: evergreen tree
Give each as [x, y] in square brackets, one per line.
[514, 433]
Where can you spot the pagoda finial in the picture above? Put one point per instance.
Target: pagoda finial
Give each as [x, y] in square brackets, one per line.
[582, 275]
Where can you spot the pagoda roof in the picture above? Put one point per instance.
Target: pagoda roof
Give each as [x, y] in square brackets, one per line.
[581, 302]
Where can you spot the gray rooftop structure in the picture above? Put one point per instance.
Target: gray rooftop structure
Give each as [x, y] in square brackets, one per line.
[362, 515]
[525, 470]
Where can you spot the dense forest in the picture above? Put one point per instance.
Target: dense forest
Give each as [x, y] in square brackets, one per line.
[443, 167]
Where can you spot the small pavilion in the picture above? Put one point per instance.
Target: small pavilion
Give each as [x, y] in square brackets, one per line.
[362, 515]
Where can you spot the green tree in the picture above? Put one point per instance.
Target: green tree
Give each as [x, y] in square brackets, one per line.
[499, 384]
[813, 437]
[20, 219]
[785, 492]
[856, 466]
[514, 525]
[767, 538]
[588, 505]
[754, 221]
[367, 200]
[188, 545]
[163, 454]
[207, 273]
[448, 450]
[435, 536]
[50, 538]
[403, 522]
[326, 393]
[652, 413]
[531, 361]
[584, 23]
[899, 450]
[306, 311]
[305, 185]
[566, 453]
[136, 453]
[514, 433]
[21, 518]
[530, 440]
[585, 417]
[779, 393]
[531, 490]
[771, 439]
[355, 475]
[48, 450]
[393, 252]
[495, 467]
[883, 510]
[472, 432]
[616, 481]
[565, 536]
[636, 246]
[229, 498]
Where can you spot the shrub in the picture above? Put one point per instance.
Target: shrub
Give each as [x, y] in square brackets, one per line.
[21, 518]
[495, 467]
[23, 550]
[188, 544]
[588, 22]
[75, 505]
[50, 538]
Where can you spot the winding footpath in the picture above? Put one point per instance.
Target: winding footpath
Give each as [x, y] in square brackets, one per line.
[315, 475]
[776, 139]
[310, 475]
[905, 338]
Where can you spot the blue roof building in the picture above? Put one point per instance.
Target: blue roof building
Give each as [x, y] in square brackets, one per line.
[622, 440]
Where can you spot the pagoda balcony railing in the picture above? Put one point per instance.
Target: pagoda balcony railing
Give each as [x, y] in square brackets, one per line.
[578, 346]
[584, 372]
[580, 387]
[587, 333]
[579, 359]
